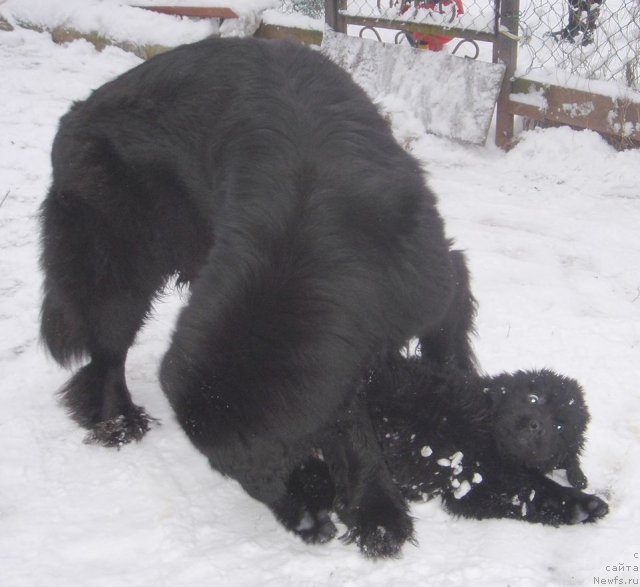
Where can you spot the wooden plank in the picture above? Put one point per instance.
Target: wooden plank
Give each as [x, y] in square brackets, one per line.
[66, 35]
[604, 114]
[305, 36]
[331, 14]
[193, 11]
[505, 50]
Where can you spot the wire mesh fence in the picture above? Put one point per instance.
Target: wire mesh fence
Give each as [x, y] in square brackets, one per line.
[311, 8]
[591, 39]
[560, 39]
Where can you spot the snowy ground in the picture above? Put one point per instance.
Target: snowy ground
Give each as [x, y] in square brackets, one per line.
[552, 233]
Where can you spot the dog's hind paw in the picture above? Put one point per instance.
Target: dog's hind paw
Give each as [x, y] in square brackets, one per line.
[122, 429]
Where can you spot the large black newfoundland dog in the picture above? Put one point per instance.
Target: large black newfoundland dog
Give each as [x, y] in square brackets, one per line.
[260, 174]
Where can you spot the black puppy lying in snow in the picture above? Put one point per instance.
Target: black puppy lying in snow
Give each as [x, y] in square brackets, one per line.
[483, 444]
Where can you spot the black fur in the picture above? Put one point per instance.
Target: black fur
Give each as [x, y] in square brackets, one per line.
[483, 444]
[259, 173]
[450, 345]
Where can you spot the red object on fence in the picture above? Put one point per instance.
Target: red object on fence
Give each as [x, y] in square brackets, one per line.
[432, 42]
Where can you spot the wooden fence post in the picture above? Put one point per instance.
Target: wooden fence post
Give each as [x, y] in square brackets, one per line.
[505, 50]
[332, 15]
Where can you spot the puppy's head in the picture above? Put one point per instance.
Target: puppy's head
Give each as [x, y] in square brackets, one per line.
[540, 421]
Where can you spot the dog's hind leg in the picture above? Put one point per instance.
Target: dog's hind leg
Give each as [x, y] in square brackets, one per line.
[98, 289]
[97, 397]
[448, 343]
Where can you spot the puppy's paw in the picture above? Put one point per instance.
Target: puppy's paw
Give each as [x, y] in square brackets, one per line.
[122, 429]
[588, 509]
[570, 506]
[381, 532]
[576, 477]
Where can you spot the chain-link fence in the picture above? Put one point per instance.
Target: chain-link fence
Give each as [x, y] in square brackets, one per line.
[586, 38]
[311, 8]
[559, 39]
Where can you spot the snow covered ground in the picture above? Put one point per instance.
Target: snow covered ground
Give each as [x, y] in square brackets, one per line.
[552, 233]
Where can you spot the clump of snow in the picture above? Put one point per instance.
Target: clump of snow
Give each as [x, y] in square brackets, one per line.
[461, 489]
[534, 97]
[567, 79]
[456, 460]
[426, 451]
[578, 110]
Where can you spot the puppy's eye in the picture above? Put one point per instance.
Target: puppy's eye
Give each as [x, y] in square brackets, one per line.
[533, 398]
[559, 426]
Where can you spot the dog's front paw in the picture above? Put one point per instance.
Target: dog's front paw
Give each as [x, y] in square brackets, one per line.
[380, 532]
[316, 528]
[312, 526]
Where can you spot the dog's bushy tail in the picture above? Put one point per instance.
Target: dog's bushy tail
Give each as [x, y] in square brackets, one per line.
[63, 329]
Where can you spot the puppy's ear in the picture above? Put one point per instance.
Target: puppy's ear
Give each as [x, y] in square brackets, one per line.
[575, 476]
